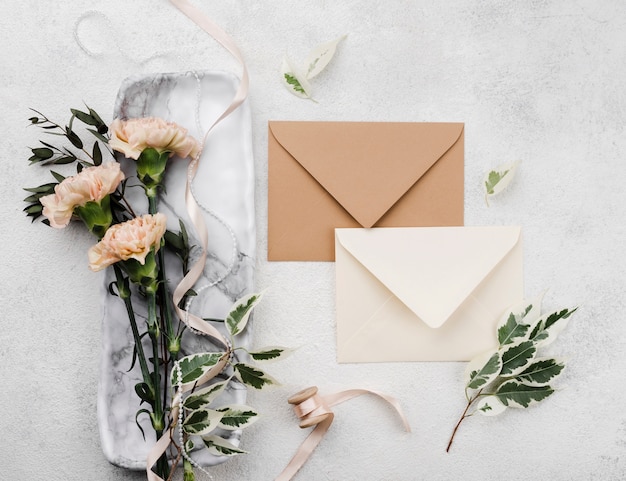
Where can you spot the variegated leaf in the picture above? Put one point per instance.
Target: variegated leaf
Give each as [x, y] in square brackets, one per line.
[540, 372]
[193, 367]
[516, 394]
[220, 447]
[271, 353]
[517, 356]
[203, 397]
[294, 81]
[320, 57]
[490, 406]
[253, 376]
[549, 326]
[237, 416]
[516, 321]
[483, 370]
[499, 178]
[240, 313]
[202, 421]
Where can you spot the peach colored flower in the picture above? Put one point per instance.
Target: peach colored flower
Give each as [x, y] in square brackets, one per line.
[132, 136]
[132, 239]
[91, 184]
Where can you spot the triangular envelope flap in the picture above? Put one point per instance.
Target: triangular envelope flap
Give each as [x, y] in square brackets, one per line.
[366, 166]
[432, 270]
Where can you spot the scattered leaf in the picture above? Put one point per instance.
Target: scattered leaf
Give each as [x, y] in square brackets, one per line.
[294, 82]
[297, 80]
[498, 179]
[320, 57]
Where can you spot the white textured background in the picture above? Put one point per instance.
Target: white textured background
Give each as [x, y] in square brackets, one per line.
[541, 81]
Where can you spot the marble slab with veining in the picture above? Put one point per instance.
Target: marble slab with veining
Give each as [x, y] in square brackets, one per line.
[224, 187]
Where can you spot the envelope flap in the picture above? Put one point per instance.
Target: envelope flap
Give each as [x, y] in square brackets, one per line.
[432, 270]
[366, 166]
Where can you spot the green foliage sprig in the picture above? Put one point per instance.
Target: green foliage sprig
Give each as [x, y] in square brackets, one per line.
[202, 414]
[52, 154]
[513, 376]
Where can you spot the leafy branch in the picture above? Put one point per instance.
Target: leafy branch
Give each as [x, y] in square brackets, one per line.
[201, 416]
[512, 375]
[51, 154]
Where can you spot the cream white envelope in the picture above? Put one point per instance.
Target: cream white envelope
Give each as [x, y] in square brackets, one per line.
[424, 293]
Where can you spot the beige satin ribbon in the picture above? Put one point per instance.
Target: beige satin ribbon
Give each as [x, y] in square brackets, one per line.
[314, 410]
[197, 219]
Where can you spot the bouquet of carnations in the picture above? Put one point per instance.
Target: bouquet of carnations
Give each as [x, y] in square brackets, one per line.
[180, 394]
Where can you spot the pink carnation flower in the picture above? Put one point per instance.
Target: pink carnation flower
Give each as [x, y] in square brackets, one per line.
[132, 136]
[132, 239]
[91, 184]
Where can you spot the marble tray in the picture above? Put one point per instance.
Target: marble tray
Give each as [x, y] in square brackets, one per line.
[224, 186]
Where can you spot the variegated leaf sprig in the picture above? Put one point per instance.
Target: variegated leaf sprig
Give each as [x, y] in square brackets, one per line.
[499, 179]
[297, 80]
[202, 415]
[513, 376]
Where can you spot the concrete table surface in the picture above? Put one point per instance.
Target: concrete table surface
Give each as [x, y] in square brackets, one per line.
[539, 81]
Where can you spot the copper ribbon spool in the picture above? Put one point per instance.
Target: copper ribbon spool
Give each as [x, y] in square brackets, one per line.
[315, 410]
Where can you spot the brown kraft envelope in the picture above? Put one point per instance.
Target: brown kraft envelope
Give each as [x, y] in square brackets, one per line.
[324, 175]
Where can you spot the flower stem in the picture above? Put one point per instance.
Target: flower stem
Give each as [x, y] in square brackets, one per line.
[157, 417]
[124, 292]
[461, 419]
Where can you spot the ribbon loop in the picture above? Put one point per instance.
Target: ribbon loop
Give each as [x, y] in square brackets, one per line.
[314, 410]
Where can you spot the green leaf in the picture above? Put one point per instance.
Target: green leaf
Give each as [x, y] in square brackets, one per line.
[203, 397]
[549, 326]
[511, 330]
[42, 189]
[98, 135]
[237, 417]
[499, 178]
[240, 313]
[220, 447]
[84, 117]
[97, 154]
[193, 367]
[252, 376]
[540, 372]
[516, 394]
[516, 357]
[202, 421]
[272, 353]
[296, 83]
[485, 371]
[42, 153]
[73, 138]
[57, 176]
[516, 321]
